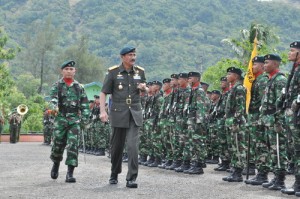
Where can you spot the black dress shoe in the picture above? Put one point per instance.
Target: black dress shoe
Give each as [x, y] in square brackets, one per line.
[131, 184]
[113, 179]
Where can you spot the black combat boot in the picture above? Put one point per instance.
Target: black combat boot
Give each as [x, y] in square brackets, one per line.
[236, 176]
[142, 159]
[261, 177]
[223, 167]
[208, 158]
[270, 183]
[149, 161]
[102, 152]
[97, 152]
[69, 176]
[294, 189]
[156, 162]
[251, 169]
[214, 160]
[54, 170]
[113, 178]
[165, 164]
[279, 182]
[184, 166]
[196, 169]
[175, 164]
[291, 169]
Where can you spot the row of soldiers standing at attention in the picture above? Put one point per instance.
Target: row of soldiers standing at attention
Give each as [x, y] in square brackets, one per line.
[186, 128]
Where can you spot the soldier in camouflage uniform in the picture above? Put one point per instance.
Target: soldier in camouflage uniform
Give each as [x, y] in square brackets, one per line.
[235, 122]
[180, 127]
[48, 126]
[145, 143]
[254, 129]
[171, 118]
[274, 157]
[222, 131]
[197, 105]
[14, 126]
[155, 130]
[73, 108]
[98, 130]
[164, 122]
[291, 103]
[212, 129]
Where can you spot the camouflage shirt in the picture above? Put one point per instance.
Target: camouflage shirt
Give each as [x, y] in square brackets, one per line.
[236, 103]
[72, 100]
[294, 88]
[272, 93]
[257, 92]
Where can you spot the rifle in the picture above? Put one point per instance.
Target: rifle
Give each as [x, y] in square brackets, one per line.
[187, 111]
[171, 102]
[285, 91]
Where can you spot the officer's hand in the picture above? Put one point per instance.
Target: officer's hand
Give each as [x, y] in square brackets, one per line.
[104, 116]
[295, 106]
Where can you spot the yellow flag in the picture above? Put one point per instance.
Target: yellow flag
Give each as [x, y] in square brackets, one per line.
[249, 77]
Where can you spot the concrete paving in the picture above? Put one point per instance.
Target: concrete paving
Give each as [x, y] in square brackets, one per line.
[25, 173]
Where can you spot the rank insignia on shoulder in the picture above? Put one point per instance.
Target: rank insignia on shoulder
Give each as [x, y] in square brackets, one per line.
[141, 68]
[113, 67]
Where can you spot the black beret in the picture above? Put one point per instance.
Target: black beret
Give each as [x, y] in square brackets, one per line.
[183, 75]
[149, 84]
[272, 57]
[174, 76]
[166, 80]
[69, 63]
[204, 84]
[97, 96]
[127, 49]
[234, 70]
[216, 92]
[91, 101]
[208, 92]
[295, 44]
[194, 74]
[258, 59]
[223, 79]
[157, 83]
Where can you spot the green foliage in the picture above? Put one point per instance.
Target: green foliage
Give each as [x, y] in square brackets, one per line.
[214, 73]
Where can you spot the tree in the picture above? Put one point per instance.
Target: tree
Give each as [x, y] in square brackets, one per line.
[242, 47]
[89, 66]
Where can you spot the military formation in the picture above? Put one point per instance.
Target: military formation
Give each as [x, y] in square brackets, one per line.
[186, 127]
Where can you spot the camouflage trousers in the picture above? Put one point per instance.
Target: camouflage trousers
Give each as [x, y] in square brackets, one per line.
[143, 141]
[156, 139]
[48, 128]
[65, 135]
[291, 130]
[223, 138]
[195, 148]
[14, 133]
[148, 146]
[167, 149]
[238, 146]
[99, 134]
[212, 139]
[254, 130]
[295, 145]
[181, 134]
[273, 156]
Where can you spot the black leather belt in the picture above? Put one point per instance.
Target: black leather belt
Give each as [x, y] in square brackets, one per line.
[127, 101]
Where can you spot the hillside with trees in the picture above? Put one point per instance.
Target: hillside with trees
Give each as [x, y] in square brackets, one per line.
[170, 36]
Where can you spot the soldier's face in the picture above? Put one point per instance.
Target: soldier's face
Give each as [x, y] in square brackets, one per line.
[292, 55]
[166, 86]
[182, 81]
[224, 84]
[257, 68]
[193, 80]
[270, 66]
[174, 82]
[68, 72]
[231, 77]
[129, 59]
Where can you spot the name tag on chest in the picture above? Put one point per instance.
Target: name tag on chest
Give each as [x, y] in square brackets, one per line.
[136, 77]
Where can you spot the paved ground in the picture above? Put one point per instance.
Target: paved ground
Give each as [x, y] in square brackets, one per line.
[25, 173]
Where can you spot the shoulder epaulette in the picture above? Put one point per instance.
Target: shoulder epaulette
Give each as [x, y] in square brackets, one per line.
[113, 67]
[141, 68]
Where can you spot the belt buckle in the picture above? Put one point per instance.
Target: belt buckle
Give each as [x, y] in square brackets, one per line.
[128, 101]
